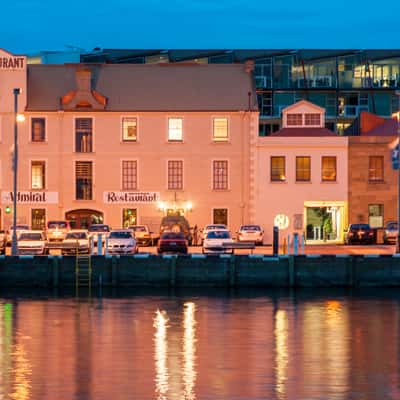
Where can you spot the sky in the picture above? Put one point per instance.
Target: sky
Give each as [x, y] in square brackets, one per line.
[29, 26]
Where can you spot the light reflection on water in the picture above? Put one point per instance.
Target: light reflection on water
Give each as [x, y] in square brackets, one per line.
[200, 347]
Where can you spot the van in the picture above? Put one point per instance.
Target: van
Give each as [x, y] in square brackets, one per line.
[57, 230]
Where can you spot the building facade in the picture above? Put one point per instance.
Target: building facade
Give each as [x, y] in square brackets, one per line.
[127, 144]
[302, 178]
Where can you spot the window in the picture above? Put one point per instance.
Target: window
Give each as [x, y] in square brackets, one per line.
[84, 180]
[220, 216]
[129, 175]
[312, 119]
[175, 175]
[328, 169]
[38, 175]
[129, 129]
[375, 170]
[38, 129]
[278, 169]
[220, 175]
[294, 119]
[83, 135]
[375, 215]
[175, 131]
[38, 218]
[129, 217]
[303, 169]
[220, 129]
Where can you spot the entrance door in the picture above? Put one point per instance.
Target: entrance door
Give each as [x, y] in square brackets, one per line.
[82, 219]
[324, 223]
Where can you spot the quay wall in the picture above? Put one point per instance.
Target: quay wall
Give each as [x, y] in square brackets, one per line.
[197, 270]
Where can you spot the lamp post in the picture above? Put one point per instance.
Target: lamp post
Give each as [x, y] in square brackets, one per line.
[14, 248]
[398, 186]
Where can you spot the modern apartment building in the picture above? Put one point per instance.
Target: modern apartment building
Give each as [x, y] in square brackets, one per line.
[127, 144]
[343, 82]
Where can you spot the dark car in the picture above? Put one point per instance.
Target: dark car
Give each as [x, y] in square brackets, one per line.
[172, 242]
[3, 242]
[176, 223]
[390, 233]
[360, 233]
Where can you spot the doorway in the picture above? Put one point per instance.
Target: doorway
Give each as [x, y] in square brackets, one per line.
[82, 219]
[324, 223]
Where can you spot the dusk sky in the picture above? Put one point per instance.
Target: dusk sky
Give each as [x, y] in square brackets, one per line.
[32, 25]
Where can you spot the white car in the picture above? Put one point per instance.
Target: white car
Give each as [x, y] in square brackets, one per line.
[251, 233]
[215, 240]
[76, 241]
[18, 229]
[32, 243]
[122, 241]
[209, 228]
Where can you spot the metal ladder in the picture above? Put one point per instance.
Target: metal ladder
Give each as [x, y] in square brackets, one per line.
[83, 272]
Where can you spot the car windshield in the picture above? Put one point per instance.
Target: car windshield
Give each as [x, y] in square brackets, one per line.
[392, 225]
[250, 228]
[121, 235]
[76, 235]
[21, 227]
[30, 236]
[172, 235]
[218, 235]
[99, 228]
[56, 224]
[360, 226]
[139, 228]
[211, 227]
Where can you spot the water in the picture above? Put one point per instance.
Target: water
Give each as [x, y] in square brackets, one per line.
[215, 345]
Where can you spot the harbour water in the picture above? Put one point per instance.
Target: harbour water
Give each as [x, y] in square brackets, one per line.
[201, 345]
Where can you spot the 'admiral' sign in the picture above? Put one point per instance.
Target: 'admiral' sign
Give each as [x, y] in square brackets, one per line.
[30, 197]
[130, 197]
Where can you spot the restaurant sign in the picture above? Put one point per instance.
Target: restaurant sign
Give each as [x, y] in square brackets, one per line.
[130, 197]
[11, 62]
[30, 197]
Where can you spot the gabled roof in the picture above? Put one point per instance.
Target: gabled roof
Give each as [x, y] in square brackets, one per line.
[305, 103]
[147, 87]
[303, 132]
[387, 128]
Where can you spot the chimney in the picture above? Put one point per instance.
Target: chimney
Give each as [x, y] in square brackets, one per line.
[83, 80]
[249, 66]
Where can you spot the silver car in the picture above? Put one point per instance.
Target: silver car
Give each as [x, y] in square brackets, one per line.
[122, 241]
[251, 233]
[32, 243]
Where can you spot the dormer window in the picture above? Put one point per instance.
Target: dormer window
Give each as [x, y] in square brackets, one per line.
[312, 119]
[294, 119]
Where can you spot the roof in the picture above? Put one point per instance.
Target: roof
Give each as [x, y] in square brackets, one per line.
[147, 87]
[303, 132]
[303, 103]
[387, 128]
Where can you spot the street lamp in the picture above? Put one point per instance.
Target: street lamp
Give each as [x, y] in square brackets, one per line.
[14, 248]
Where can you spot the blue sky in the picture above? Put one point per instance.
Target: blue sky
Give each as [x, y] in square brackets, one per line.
[32, 25]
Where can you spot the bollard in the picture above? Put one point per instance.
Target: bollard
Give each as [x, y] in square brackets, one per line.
[99, 245]
[275, 245]
[288, 244]
[284, 246]
[91, 245]
[303, 241]
[106, 247]
[295, 244]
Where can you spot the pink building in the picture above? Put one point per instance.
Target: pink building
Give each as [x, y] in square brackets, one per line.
[125, 144]
[300, 175]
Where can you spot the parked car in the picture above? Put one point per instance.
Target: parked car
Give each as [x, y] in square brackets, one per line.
[172, 242]
[142, 234]
[122, 241]
[214, 242]
[32, 243]
[3, 242]
[251, 233]
[57, 230]
[209, 228]
[390, 233]
[18, 229]
[76, 241]
[98, 229]
[176, 223]
[359, 233]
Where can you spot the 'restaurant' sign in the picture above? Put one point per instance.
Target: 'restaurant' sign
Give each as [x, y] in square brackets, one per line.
[130, 197]
[30, 197]
[10, 62]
